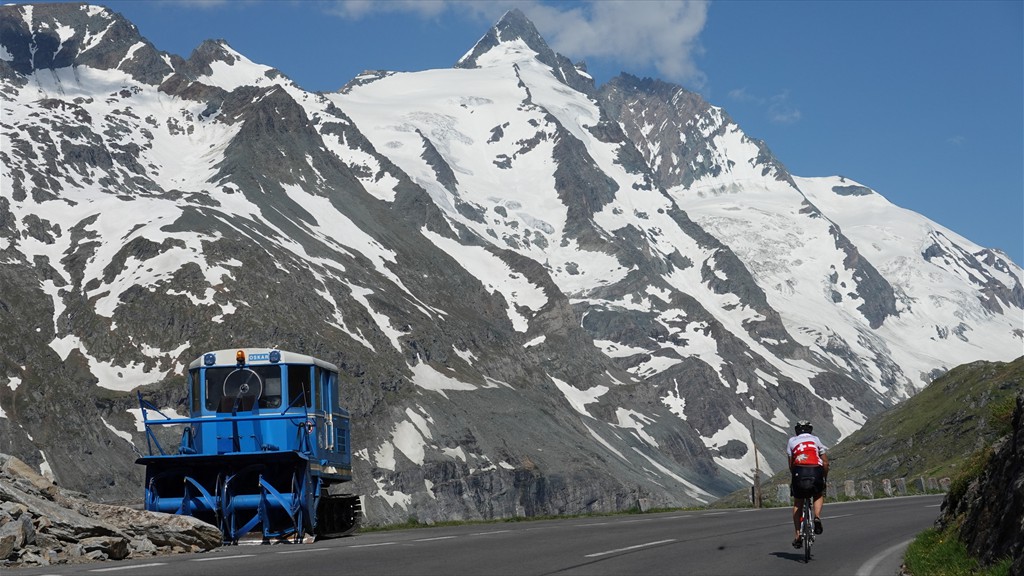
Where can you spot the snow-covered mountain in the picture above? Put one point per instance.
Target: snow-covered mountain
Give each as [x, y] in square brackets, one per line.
[546, 296]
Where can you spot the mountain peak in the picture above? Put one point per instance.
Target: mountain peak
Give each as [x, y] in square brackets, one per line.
[515, 27]
[211, 51]
[511, 27]
[215, 63]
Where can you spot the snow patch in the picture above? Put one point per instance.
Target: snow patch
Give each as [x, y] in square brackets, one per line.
[426, 377]
[577, 398]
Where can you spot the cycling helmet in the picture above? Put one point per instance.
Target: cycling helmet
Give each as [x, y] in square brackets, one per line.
[804, 427]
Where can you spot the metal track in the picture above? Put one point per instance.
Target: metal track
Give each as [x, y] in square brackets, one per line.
[338, 515]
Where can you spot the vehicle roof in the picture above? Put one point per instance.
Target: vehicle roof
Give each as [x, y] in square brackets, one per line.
[227, 357]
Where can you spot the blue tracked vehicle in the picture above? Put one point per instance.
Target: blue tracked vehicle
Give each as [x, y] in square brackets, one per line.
[265, 450]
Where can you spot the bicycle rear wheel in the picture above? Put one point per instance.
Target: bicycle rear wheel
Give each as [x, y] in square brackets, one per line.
[807, 528]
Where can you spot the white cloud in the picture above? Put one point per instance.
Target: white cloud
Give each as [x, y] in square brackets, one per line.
[780, 111]
[202, 4]
[356, 9]
[778, 107]
[663, 34]
[635, 33]
[741, 95]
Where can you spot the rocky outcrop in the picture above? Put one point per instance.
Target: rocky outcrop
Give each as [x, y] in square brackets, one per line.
[990, 514]
[41, 524]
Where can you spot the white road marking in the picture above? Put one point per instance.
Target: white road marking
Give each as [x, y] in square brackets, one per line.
[486, 533]
[868, 568]
[215, 558]
[135, 567]
[628, 548]
[301, 551]
[432, 539]
[836, 516]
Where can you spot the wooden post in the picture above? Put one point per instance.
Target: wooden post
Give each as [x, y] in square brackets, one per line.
[757, 467]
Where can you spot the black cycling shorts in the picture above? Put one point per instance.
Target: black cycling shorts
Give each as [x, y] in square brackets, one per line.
[807, 481]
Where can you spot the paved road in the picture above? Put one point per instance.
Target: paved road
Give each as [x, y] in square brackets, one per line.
[861, 538]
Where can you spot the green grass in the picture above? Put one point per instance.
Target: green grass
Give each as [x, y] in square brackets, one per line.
[972, 467]
[936, 553]
[1002, 415]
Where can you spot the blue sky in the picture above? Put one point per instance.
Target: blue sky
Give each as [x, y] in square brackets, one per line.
[922, 101]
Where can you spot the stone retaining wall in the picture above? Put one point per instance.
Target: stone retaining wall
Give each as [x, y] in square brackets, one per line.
[863, 489]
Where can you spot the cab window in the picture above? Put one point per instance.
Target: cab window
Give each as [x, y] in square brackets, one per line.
[299, 386]
[318, 378]
[229, 388]
[195, 391]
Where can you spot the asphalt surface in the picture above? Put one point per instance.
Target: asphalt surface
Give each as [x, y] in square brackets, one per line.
[860, 538]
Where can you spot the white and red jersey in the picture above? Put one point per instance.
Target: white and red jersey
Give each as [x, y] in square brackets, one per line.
[805, 450]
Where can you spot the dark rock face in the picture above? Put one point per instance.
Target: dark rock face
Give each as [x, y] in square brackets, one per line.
[669, 126]
[990, 516]
[876, 292]
[41, 524]
[852, 190]
[995, 295]
[50, 52]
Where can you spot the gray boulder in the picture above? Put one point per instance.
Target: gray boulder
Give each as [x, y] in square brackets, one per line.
[41, 524]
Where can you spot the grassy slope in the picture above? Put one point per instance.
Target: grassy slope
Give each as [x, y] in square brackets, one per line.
[931, 434]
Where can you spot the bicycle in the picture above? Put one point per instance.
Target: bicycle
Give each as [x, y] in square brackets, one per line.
[807, 527]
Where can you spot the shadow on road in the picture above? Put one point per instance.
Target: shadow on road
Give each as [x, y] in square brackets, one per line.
[795, 556]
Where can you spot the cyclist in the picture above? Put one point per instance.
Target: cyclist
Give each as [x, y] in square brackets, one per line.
[808, 463]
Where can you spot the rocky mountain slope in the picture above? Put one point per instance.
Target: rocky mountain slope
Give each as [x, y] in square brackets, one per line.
[545, 296]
